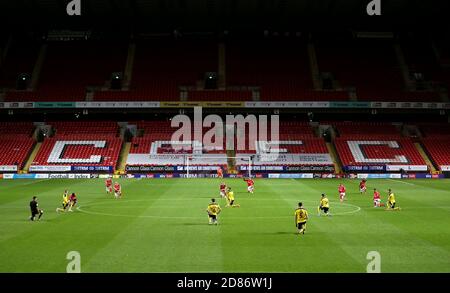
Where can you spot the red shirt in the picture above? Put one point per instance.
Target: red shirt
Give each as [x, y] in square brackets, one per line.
[249, 182]
[376, 195]
[362, 184]
[341, 189]
[116, 187]
[73, 197]
[108, 182]
[222, 186]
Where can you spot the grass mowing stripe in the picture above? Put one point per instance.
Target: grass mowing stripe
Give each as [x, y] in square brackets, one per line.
[258, 237]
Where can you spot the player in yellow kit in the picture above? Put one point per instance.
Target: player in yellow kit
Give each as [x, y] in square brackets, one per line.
[230, 199]
[301, 216]
[213, 211]
[65, 202]
[391, 202]
[324, 205]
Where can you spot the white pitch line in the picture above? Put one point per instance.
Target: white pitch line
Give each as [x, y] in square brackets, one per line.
[355, 210]
[401, 182]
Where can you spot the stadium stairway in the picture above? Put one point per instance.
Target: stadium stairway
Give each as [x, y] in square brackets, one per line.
[403, 66]
[222, 83]
[334, 156]
[231, 162]
[123, 157]
[315, 72]
[33, 154]
[424, 155]
[38, 67]
[128, 73]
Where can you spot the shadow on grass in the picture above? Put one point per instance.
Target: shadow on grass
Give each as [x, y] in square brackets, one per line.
[195, 224]
[285, 233]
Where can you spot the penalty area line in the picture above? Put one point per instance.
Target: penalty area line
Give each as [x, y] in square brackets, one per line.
[399, 181]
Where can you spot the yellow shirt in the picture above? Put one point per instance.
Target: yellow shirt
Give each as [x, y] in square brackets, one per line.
[65, 198]
[301, 215]
[324, 203]
[391, 198]
[213, 209]
[230, 195]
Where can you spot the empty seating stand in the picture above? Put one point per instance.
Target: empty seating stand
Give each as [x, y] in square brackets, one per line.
[437, 144]
[213, 95]
[70, 67]
[16, 143]
[81, 143]
[279, 68]
[21, 58]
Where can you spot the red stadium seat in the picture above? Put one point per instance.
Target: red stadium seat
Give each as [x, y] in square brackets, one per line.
[15, 143]
[83, 143]
[220, 95]
[438, 149]
[383, 151]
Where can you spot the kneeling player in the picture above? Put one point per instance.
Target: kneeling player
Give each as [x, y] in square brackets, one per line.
[117, 190]
[213, 211]
[377, 199]
[301, 216]
[223, 190]
[65, 202]
[391, 202]
[108, 185]
[341, 191]
[324, 205]
[72, 201]
[250, 185]
[230, 199]
[362, 186]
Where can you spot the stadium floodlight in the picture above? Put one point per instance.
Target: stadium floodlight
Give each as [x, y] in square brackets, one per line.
[210, 80]
[22, 81]
[116, 80]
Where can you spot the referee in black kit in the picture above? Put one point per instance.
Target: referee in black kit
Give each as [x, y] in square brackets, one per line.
[34, 207]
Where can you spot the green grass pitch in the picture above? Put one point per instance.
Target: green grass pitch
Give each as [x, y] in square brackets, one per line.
[160, 225]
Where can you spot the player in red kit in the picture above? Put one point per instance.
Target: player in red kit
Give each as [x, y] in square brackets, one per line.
[362, 186]
[376, 199]
[250, 185]
[117, 190]
[223, 189]
[108, 184]
[341, 191]
[72, 201]
[219, 172]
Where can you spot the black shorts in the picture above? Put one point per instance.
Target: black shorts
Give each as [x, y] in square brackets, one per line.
[34, 212]
[392, 205]
[301, 225]
[65, 205]
[214, 217]
[324, 209]
[231, 202]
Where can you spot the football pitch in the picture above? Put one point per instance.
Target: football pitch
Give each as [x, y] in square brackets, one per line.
[161, 225]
